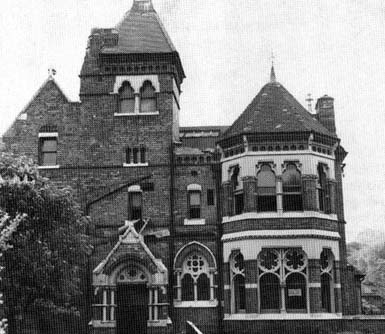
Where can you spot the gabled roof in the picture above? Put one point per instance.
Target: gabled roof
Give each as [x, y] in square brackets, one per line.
[141, 31]
[49, 84]
[275, 110]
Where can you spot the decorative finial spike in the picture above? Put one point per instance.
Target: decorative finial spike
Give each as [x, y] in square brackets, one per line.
[272, 75]
[272, 72]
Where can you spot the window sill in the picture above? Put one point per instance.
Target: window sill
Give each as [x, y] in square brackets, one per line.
[103, 324]
[155, 113]
[49, 167]
[197, 303]
[290, 214]
[282, 316]
[159, 323]
[194, 221]
[136, 165]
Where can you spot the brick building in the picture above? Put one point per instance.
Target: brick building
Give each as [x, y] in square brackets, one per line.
[228, 228]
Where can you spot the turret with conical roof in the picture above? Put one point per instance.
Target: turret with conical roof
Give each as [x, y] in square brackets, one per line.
[274, 114]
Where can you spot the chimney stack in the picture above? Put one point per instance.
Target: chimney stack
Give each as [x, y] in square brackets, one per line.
[325, 112]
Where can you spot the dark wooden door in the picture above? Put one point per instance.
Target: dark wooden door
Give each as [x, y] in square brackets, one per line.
[132, 310]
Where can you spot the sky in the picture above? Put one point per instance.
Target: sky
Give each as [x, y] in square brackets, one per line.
[320, 47]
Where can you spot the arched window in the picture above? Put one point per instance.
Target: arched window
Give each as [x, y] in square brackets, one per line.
[321, 186]
[126, 99]
[195, 283]
[327, 281]
[147, 98]
[267, 199]
[237, 279]
[292, 189]
[296, 292]
[194, 268]
[269, 293]
[282, 280]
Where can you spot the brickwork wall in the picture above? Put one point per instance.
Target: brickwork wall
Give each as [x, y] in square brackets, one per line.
[280, 223]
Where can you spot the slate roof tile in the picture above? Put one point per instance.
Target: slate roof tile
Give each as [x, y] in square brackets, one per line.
[274, 110]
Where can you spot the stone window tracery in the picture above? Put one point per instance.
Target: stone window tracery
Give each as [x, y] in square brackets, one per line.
[282, 280]
[194, 275]
[195, 282]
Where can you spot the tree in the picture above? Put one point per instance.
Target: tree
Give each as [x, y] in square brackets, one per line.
[45, 244]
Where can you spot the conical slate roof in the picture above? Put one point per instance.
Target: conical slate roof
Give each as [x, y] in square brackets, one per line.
[141, 31]
[275, 110]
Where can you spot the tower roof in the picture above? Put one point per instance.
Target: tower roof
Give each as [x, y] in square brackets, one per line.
[275, 110]
[141, 31]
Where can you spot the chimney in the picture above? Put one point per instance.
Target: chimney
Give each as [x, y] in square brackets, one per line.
[325, 112]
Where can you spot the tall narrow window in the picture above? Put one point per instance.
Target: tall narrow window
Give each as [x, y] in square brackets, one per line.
[135, 203]
[267, 199]
[194, 204]
[135, 155]
[327, 281]
[292, 189]
[238, 203]
[48, 151]
[210, 197]
[147, 98]
[238, 288]
[142, 155]
[128, 155]
[321, 186]
[126, 99]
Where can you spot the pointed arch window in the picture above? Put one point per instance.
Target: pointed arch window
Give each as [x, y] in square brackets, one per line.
[327, 281]
[147, 98]
[195, 283]
[238, 286]
[283, 280]
[292, 189]
[321, 187]
[195, 270]
[126, 99]
[267, 194]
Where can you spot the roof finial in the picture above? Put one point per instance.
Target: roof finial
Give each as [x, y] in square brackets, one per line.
[51, 73]
[143, 5]
[309, 100]
[272, 72]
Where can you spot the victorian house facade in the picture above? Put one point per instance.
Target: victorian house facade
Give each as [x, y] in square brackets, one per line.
[220, 228]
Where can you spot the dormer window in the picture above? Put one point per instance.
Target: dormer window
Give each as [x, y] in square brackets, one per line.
[127, 99]
[267, 198]
[147, 98]
[292, 189]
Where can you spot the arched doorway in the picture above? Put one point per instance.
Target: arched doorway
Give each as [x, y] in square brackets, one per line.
[132, 312]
